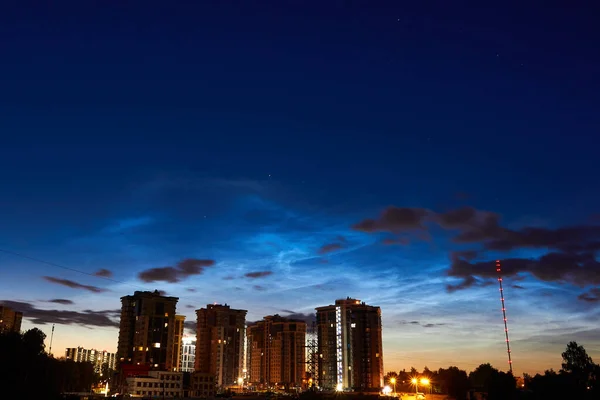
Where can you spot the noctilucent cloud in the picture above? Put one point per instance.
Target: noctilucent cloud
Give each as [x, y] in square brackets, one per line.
[278, 156]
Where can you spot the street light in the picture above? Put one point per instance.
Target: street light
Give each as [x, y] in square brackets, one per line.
[393, 382]
[415, 381]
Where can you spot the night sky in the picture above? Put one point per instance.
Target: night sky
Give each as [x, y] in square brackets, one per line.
[277, 155]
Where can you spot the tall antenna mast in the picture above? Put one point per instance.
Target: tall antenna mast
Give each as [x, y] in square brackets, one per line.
[51, 337]
[499, 271]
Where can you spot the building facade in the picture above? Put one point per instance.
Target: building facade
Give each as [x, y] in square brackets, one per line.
[157, 384]
[150, 332]
[96, 357]
[220, 333]
[202, 385]
[10, 320]
[276, 352]
[350, 346]
[188, 354]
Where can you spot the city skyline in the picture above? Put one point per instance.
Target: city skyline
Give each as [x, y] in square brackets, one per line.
[277, 157]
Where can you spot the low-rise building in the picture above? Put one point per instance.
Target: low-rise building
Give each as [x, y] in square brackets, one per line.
[156, 383]
[203, 385]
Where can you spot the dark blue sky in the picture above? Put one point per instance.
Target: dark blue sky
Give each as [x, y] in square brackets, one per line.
[140, 134]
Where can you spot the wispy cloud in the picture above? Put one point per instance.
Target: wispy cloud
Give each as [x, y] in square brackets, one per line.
[74, 285]
[103, 318]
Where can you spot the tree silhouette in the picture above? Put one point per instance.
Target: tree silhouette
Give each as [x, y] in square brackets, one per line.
[33, 373]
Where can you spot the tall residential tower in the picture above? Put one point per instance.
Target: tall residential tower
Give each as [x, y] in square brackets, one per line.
[10, 320]
[220, 333]
[350, 346]
[276, 352]
[150, 333]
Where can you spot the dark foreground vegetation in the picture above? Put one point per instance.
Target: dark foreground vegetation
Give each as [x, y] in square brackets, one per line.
[28, 372]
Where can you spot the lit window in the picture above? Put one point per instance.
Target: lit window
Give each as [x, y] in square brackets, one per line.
[156, 345]
[353, 325]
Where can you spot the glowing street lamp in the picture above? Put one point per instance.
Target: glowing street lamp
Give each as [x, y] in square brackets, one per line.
[415, 381]
[393, 382]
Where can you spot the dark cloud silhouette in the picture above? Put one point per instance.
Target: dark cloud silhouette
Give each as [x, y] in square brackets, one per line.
[473, 225]
[428, 325]
[394, 220]
[576, 269]
[190, 306]
[104, 318]
[569, 239]
[591, 296]
[432, 325]
[308, 318]
[258, 274]
[104, 273]
[466, 254]
[517, 287]
[259, 288]
[338, 244]
[73, 284]
[165, 274]
[190, 326]
[183, 269]
[228, 278]
[162, 292]
[330, 247]
[61, 301]
[467, 282]
[191, 290]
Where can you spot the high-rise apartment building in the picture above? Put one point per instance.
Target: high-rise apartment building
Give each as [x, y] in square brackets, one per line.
[276, 352]
[10, 320]
[220, 333]
[150, 333]
[96, 357]
[188, 354]
[350, 346]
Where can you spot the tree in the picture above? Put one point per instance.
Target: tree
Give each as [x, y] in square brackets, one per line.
[581, 368]
[33, 341]
[498, 385]
[389, 376]
[454, 382]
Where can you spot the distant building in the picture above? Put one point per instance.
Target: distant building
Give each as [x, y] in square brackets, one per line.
[150, 332]
[220, 333]
[157, 384]
[350, 346]
[10, 320]
[276, 352]
[188, 354]
[98, 358]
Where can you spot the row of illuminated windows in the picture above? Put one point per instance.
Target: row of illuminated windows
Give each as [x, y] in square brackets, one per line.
[157, 385]
[156, 393]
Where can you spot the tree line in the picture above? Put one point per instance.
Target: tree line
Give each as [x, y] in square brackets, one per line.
[27, 371]
[579, 378]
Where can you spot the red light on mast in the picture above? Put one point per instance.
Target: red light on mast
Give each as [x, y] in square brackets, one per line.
[498, 269]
